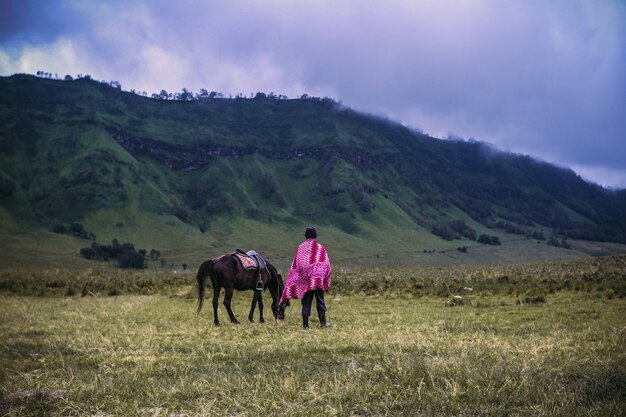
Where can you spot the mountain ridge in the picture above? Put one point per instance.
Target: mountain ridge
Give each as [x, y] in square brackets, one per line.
[91, 148]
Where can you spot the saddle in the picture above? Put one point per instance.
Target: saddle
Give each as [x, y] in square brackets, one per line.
[252, 261]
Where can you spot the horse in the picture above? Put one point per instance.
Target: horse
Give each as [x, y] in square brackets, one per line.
[226, 272]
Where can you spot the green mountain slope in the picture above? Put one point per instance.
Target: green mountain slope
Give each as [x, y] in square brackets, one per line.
[196, 178]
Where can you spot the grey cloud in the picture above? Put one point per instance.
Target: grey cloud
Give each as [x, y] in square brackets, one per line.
[36, 20]
[542, 77]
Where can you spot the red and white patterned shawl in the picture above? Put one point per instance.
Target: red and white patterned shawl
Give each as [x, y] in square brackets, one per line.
[310, 270]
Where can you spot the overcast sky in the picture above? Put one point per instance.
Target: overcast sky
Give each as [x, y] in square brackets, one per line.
[539, 77]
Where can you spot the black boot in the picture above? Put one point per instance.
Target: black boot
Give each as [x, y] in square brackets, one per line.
[305, 323]
[323, 322]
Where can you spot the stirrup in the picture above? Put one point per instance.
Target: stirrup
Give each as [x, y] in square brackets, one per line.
[259, 285]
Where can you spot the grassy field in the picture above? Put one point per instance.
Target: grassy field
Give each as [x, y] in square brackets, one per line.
[530, 340]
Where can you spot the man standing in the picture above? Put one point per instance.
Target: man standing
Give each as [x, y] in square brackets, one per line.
[309, 277]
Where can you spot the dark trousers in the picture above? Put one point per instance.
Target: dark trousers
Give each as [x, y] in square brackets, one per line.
[307, 300]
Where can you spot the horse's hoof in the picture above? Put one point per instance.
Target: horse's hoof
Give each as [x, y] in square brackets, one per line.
[262, 320]
[217, 323]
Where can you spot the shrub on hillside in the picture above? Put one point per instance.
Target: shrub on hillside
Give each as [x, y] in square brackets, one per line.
[553, 241]
[489, 240]
[125, 254]
[132, 259]
[513, 229]
[442, 231]
[179, 211]
[457, 229]
[460, 227]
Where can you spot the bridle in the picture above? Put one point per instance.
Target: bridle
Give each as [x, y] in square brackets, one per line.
[274, 275]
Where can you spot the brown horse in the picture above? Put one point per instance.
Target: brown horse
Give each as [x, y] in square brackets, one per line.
[226, 272]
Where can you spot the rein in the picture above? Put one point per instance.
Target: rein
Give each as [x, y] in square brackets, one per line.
[289, 313]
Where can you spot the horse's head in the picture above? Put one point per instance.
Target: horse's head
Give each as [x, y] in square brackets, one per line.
[280, 310]
[277, 279]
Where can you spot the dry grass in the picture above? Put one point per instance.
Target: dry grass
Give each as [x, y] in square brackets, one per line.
[387, 354]
[149, 355]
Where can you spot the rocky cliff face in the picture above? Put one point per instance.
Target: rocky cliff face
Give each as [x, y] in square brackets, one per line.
[197, 157]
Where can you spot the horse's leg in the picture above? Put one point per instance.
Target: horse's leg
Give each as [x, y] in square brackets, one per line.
[255, 298]
[275, 307]
[228, 296]
[216, 296]
[261, 319]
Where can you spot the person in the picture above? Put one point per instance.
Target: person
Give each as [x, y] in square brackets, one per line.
[309, 277]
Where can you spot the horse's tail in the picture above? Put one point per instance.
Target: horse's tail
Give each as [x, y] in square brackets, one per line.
[205, 270]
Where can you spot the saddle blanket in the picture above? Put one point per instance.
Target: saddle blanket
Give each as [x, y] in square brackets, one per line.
[249, 260]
